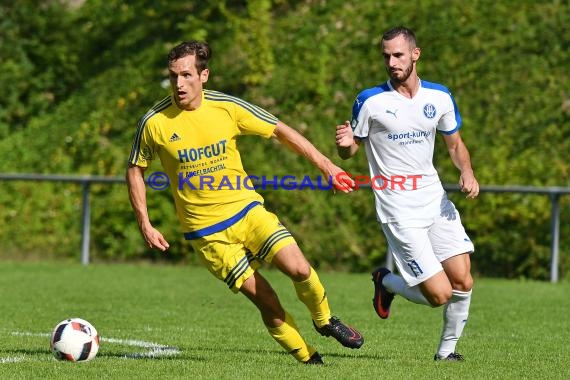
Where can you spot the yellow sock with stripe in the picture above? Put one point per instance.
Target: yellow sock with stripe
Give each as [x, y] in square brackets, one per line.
[288, 336]
[312, 293]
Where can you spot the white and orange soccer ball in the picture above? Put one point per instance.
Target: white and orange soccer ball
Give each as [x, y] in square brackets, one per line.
[74, 339]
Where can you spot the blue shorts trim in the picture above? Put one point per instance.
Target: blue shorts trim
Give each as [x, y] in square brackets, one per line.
[221, 225]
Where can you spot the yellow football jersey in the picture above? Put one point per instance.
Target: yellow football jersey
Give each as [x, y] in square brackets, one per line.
[198, 153]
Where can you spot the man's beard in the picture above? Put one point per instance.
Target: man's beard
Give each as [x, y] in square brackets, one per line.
[402, 79]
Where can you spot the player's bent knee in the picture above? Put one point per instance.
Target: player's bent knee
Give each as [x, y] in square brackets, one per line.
[291, 261]
[303, 272]
[464, 285]
[300, 271]
[439, 296]
[437, 289]
[467, 285]
[437, 300]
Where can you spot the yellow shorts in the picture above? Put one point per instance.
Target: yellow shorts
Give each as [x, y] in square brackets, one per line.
[232, 255]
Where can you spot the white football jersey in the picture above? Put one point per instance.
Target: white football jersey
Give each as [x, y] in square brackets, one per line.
[398, 134]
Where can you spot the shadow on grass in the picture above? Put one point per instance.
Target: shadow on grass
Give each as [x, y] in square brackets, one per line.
[351, 354]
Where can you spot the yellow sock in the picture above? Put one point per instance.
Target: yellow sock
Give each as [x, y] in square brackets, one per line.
[312, 293]
[287, 335]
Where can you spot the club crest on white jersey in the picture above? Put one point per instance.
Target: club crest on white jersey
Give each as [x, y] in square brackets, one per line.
[430, 111]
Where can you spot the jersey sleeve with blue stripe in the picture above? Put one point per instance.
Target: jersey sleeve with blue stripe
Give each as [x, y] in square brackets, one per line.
[451, 121]
[360, 113]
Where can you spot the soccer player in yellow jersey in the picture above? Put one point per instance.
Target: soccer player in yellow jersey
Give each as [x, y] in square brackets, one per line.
[193, 132]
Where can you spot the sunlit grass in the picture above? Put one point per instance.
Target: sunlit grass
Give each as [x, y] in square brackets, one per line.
[516, 330]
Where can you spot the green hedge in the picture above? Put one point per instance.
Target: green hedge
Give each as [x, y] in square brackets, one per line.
[76, 80]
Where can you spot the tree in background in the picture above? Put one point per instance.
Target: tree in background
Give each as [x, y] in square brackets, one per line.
[74, 79]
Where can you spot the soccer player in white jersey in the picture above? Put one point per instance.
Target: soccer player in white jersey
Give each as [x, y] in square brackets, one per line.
[397, 122]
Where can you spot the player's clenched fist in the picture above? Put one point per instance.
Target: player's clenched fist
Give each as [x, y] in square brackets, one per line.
[344, 136]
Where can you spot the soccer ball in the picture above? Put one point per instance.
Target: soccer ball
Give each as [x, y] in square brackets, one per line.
[75, 340]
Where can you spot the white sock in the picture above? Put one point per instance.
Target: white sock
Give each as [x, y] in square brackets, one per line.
[396, 284]
[455, 314]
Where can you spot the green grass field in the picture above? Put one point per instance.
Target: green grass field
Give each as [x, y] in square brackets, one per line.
[163, 322]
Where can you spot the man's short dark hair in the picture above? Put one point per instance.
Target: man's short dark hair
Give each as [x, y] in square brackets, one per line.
[200, 49]
[408, 34]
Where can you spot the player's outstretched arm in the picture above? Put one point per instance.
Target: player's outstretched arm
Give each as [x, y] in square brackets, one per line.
[298, 143]
[462, 160]
[346, 145]
[137, 196]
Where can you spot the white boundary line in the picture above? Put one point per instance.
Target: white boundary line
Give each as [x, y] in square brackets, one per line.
[13, 359]
[153, 350]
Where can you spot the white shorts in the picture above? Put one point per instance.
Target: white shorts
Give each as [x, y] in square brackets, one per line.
[419, 246]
